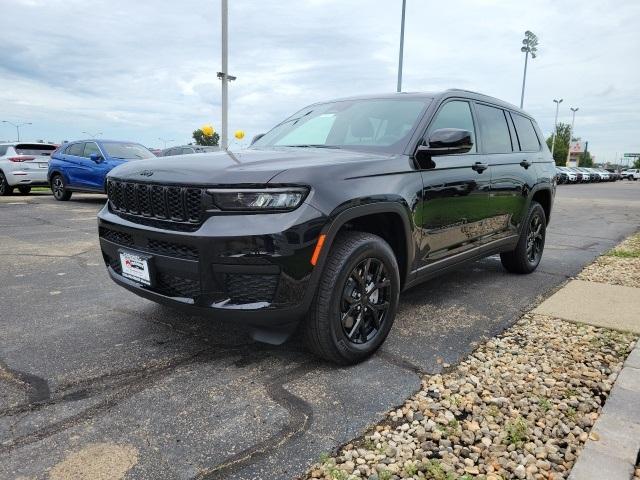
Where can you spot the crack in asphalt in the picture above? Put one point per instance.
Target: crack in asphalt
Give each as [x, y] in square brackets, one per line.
[300, 418]
[134, 381]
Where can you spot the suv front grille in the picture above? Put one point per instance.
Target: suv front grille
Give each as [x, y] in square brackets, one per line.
[178, 205]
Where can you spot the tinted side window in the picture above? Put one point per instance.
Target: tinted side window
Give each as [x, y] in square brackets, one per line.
[89, 148]
[494, 129]
[455, 114]
[3, 150]
[75, 149]
[526, 133]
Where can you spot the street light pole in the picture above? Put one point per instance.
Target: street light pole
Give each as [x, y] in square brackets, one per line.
[555, 126]
[17, 125]
[224, 75]
[165, 142]
[573, 120]
[401, 55]
[530, 44]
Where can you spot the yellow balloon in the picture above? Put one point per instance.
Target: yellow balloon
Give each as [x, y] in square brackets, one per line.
[208, 130]
[239, 134]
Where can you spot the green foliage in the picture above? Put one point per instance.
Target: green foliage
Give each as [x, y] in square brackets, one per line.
[585, 160]
[384, 475]
[562, 143]
[433, 470]
[517, 431]
[205, 140]
[636, 163]
[544, 404]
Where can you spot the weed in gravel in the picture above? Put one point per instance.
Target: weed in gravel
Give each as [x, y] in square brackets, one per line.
[433, 470]
[369, 444]
[493, 411]
[384, 475]
[570, 392]
[544, 404]
[571, 413]
[517, 431]
[411, 469]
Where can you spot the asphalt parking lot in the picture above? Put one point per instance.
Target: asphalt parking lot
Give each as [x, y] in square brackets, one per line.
[95, 378]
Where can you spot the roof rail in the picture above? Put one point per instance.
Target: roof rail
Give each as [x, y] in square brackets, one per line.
[468, 91]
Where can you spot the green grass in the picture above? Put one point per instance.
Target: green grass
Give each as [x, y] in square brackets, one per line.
[624, 253]
[517, 431]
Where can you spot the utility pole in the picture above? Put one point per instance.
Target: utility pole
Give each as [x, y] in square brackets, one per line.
[17, 125]
[573, 120]
[400, 57]
[530, 44]
[224, 75]
[555, 126]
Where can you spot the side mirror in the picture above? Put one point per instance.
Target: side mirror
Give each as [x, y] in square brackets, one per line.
[96, 157]
[256, 138]
[446, 141]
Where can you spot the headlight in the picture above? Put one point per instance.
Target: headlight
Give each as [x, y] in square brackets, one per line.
[263, 199]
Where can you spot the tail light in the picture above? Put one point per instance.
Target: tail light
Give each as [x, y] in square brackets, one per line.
[21, 158]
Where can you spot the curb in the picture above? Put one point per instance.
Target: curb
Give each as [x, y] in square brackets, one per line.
[613, 447]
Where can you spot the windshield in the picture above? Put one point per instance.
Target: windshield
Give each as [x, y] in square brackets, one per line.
[126, 151]
[371, 124]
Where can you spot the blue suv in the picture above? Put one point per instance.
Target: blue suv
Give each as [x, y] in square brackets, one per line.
[82, 166]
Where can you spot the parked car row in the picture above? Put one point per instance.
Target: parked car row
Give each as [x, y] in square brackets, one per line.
[79, 166]
[585, 175]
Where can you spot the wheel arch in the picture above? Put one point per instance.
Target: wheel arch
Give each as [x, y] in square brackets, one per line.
[387, 219]
[544, 197]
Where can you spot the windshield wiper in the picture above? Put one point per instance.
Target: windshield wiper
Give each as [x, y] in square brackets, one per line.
[319, 145]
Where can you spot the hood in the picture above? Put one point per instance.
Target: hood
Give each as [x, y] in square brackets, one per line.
[253, 166]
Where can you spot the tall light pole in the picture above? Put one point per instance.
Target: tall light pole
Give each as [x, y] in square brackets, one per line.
[17, 125]
[555, 126]
[93, 135]
[224, 75]
[529, 45]
[165, 140]
[401, 54]
[573, 121]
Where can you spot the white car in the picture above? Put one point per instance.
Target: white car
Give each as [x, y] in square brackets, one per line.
[630, 174]
[23, 165]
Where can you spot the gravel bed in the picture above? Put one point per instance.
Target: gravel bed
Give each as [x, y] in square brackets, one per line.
[620, 266]
[521, 406]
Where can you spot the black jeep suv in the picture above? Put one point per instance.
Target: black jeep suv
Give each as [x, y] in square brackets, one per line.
[328, 216]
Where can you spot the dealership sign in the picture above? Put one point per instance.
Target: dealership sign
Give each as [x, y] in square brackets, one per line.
[632, 154]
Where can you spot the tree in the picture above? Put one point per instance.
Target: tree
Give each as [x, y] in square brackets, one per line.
[636, 163]
[207, 140]
[562, 143]
[585, 160]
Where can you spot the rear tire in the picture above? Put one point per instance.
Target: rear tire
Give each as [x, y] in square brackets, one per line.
[528, 253]
[24, 190]
[5, 188]
[59, 188]
[356, 301]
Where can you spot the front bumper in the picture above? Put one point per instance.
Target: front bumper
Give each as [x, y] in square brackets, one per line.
[36, 177]
[250, 268]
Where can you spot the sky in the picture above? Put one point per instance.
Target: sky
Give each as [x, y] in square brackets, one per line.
[146, 70]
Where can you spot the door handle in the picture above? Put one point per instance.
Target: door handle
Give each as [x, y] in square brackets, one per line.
[480, 167]
[525, 163]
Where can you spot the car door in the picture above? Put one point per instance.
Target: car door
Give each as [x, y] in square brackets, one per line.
[74, 164]
[512, 168]
[455, 192]
[96, 170]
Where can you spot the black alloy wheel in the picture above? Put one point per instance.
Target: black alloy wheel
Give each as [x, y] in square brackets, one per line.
[535, 239]
[365, 301]
[526, 257]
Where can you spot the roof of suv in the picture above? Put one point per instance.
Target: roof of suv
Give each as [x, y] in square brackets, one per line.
[452, 92]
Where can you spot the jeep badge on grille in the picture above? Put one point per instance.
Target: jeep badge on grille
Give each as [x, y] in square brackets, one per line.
[146, 173]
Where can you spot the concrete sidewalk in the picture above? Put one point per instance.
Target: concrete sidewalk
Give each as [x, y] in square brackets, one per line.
[613, 447]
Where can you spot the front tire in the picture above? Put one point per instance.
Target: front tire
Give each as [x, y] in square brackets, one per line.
[24, 190]
[59, 188]
[356, 301]
[5, 188]
[528, 253]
